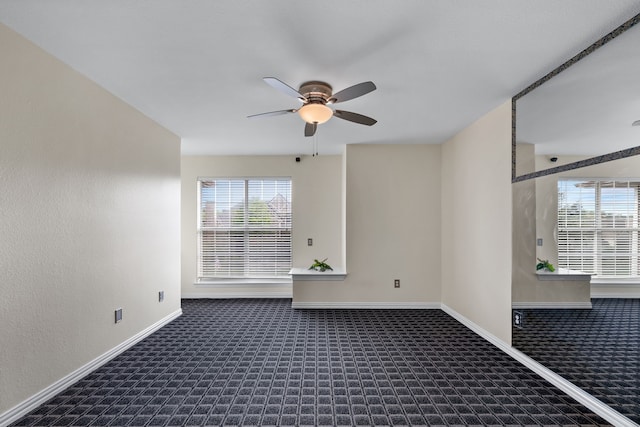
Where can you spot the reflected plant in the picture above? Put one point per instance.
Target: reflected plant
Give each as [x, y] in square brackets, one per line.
[544, 264]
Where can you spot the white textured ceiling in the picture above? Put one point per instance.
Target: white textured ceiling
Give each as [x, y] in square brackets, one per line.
[196, 66]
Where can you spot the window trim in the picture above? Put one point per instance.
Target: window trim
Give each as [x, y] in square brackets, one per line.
[597, 228]
[222, 281]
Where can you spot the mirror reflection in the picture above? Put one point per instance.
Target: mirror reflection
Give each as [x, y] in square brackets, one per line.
[582, 320]
[585, 327]
[587, 110]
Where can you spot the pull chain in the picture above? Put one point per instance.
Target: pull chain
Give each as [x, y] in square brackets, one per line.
[315, 143]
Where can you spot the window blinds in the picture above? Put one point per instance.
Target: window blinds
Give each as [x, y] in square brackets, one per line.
[244, 228]
[598, 226]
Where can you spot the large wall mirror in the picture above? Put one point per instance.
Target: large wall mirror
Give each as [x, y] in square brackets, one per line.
[576, 204]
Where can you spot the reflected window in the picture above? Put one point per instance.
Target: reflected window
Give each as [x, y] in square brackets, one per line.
[598, 226]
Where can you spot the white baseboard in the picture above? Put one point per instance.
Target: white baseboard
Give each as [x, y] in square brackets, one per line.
[228, 295]
[552, 305]
[599, 408]
[42, 396]
[365, 305]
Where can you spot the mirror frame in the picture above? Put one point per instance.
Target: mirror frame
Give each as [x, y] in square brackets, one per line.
[582, 163]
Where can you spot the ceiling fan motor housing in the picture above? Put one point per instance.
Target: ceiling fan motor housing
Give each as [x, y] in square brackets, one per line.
[316, 91]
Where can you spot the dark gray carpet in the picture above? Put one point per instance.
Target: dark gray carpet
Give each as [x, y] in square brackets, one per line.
[597, 349]
[259, 362]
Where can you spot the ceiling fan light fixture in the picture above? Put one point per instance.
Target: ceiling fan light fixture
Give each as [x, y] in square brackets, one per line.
[315, 113]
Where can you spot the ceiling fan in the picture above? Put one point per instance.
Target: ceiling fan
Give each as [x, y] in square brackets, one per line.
[315, 97]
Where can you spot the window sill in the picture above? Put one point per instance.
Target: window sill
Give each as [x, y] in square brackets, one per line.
[213, 283]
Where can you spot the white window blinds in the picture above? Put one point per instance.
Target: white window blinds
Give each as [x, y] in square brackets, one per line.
[598, 226]
[244, 228]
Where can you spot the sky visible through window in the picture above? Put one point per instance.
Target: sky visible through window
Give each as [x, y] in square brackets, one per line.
[229, 193]
[619, 199]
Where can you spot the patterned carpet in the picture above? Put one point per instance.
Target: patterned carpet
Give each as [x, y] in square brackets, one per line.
[259, 362]
[597, 349]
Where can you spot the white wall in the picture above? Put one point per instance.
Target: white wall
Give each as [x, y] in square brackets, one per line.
[476, 222]
[316, 210]
[89, 219]
[392, 222]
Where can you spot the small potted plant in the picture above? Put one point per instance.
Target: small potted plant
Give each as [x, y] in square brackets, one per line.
[544, 264]
[320, 265]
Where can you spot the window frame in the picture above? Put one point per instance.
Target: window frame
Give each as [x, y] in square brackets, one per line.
[246, 230]
[600, 259]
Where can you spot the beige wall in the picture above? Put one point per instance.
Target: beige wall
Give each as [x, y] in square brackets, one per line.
[392, 197]
[316, 210]
[525, 284]
[552, 293]
[476, 222]
[89, 220]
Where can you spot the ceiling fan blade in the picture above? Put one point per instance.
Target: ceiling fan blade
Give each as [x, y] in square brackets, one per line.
[352, 92]
[310, 129]
[271, 114]
[283, 87]
[355, 117]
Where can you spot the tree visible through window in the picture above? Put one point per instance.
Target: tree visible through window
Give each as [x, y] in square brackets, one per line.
[244, 228]
[598, 226]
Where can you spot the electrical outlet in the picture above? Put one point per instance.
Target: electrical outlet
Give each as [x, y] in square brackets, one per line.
[396, 283]
[118, 314]
[518, 319]
[539, 241]
[160, 296]
[309, 242]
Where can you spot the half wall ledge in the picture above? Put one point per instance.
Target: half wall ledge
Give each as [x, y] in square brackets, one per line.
[564, 274]
[304, 274]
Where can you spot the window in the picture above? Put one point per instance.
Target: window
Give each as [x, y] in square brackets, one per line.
[598, 226]
[244, 228]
